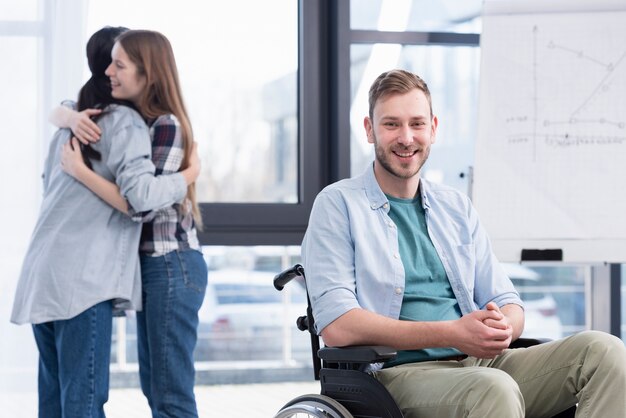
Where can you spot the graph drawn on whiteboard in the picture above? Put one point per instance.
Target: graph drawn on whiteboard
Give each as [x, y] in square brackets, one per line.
[589, 110]
[550, 163]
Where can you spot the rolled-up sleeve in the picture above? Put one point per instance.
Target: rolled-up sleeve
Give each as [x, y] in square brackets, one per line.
[328, 258]
[129, 159]
[168, 153]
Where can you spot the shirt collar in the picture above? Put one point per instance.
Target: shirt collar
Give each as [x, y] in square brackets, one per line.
[377, 198]
[374, 193]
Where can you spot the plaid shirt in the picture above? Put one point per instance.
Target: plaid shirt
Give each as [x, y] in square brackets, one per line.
[170, 228]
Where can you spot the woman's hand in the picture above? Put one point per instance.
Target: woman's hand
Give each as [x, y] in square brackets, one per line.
[73, 164]
[72, 159]
[83, 128]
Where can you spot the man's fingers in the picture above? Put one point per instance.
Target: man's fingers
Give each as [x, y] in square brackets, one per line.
[483, 315]
[492, 306]
[495, 324]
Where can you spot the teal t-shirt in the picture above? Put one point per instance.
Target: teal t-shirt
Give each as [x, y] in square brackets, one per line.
[427, 293]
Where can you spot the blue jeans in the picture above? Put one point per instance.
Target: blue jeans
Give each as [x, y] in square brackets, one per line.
[74, 356]
[173, 288]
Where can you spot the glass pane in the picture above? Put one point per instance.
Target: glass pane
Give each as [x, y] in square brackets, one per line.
[19, 10]
[244, 318]
[554, 298]
[239, 80]
[452, 77]
[462, 16]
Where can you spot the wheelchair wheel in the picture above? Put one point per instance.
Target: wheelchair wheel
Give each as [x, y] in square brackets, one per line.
[313, 406]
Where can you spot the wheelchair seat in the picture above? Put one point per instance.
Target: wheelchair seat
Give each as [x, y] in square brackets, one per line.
[347, 390]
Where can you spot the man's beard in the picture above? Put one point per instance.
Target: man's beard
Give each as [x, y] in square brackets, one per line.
[405, 172]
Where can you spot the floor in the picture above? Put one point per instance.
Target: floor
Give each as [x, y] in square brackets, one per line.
[232, 401]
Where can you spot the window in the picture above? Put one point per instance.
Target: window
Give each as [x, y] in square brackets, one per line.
[22, 11]
[22, 28]
[415, 15]
[554, 297]
[244, 320]
[241, 95]
[242, 79]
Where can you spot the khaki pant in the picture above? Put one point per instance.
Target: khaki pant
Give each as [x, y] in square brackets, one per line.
[588, 368]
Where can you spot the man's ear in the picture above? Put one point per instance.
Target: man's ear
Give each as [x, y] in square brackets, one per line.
[433, 130]
[369, 129]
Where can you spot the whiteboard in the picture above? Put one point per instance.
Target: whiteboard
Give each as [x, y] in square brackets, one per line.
[550, 163]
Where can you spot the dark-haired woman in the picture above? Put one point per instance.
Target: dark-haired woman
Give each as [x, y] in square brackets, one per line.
[82, 262]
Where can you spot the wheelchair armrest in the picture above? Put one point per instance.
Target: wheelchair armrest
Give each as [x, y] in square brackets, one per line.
[379, 354]
[357, 354]
[528, 342]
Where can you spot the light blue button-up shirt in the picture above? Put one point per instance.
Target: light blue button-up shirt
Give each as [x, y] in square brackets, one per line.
[352, 259]
[82, 250]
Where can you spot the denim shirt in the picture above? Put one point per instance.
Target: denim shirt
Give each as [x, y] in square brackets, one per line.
[352, 259]
[83, 251]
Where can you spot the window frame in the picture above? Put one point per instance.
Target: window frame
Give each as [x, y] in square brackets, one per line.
[285, 223]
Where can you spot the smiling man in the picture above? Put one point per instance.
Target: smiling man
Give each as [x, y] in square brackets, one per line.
[404, 131]
[392, 259]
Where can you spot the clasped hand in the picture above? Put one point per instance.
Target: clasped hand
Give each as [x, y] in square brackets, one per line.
[485, 333]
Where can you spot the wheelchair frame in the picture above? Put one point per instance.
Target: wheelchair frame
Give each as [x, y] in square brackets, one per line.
[346, 390]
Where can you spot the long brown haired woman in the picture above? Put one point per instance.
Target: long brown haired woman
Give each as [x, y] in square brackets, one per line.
[174, 273]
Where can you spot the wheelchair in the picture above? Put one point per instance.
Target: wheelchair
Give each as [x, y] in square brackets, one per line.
[347, 391]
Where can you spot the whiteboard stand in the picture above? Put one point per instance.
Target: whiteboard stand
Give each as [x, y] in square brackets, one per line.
[606, 299]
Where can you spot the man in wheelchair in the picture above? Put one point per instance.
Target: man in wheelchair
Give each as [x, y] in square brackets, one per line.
[392, 259]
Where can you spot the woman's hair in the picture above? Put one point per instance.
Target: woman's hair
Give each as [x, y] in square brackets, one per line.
[396, 82]
[96, 92]
[152, 53]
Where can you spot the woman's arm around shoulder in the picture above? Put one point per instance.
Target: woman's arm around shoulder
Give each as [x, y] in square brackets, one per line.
[81, 124]
[128, 157]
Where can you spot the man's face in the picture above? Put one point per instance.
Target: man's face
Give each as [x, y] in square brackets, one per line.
[402, 131]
